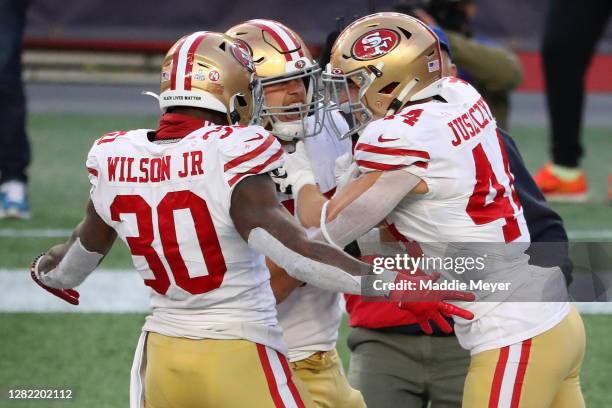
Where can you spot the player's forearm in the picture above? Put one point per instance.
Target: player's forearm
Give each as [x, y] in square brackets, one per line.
[363, 204]
[282, 284]
[308, 206]
[68, 265]
[74, 267]
[56, 253]
[318, 264]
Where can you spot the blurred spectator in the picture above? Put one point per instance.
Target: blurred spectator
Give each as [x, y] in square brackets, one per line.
[14, 146]
[495, 71]
[570, 36]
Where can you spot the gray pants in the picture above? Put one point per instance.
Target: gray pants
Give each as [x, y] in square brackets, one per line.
[402, 370]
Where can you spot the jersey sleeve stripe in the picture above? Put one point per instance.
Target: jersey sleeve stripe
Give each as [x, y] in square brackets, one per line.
[383, 166]
[391, 151]
[250, 155]
[93, 172]
[259, 168]
[379, 166]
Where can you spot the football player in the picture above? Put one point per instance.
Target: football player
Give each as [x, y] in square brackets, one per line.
[194, 203]
[309, 316]
[435, 169]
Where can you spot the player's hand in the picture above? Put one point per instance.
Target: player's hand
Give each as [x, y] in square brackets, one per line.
[69, 295]
[296, 171]
[345, 170]
[428, 306]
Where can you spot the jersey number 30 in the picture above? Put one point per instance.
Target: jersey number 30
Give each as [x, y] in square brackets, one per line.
[141, 245]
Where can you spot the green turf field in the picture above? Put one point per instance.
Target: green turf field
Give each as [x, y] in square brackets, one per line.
[92, 353]
[59, 185]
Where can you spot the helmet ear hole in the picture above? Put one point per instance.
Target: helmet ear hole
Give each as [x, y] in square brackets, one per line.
[407, 33]
[241, 101]
[389, 88]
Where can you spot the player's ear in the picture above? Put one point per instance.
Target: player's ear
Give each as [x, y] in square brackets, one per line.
[454, 70]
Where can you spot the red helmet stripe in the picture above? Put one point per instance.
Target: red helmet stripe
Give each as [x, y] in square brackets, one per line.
[282, 36]
[295, 42]
[175, 61]
[189, 63]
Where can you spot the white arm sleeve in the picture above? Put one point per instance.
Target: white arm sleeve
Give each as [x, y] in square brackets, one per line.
[367, 210]
[73, 269]
[313, 272]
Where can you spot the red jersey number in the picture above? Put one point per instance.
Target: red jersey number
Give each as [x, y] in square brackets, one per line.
[410, 118]
[482, 212]
[142, 244]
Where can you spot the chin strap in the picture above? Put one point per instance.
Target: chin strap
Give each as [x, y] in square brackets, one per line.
[233, 115]
[430, 90]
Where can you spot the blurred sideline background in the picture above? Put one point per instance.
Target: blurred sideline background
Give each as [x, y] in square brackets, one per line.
[85, 65]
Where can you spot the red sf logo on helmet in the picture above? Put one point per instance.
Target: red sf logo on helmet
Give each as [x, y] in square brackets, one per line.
[244, 46]
[243, 57]
[375, 44]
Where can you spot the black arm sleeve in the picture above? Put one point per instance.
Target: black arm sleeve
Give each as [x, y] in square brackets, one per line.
[548, 235]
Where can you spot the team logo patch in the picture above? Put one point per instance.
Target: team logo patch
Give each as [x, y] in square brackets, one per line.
[199, 76]
[299, 64]
[213, 76]
[375, 44]
[243, 57]
[337, 71]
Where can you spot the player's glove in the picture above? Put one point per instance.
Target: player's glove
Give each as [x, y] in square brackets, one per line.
[295, 173]
[345, 170]
[428, 306]
[279, 176]
[69, 295]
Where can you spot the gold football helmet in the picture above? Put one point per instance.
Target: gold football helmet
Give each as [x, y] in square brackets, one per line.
[208, 70]
[392, 59]
[280, 57]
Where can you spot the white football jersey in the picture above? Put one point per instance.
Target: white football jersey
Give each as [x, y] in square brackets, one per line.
[170, 203]
[310, 317]
[454, 146]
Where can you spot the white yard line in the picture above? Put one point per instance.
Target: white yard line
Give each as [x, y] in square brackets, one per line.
[34, 233]
[586, 234]
[598, 234]
[108, 291]
[115, 291]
